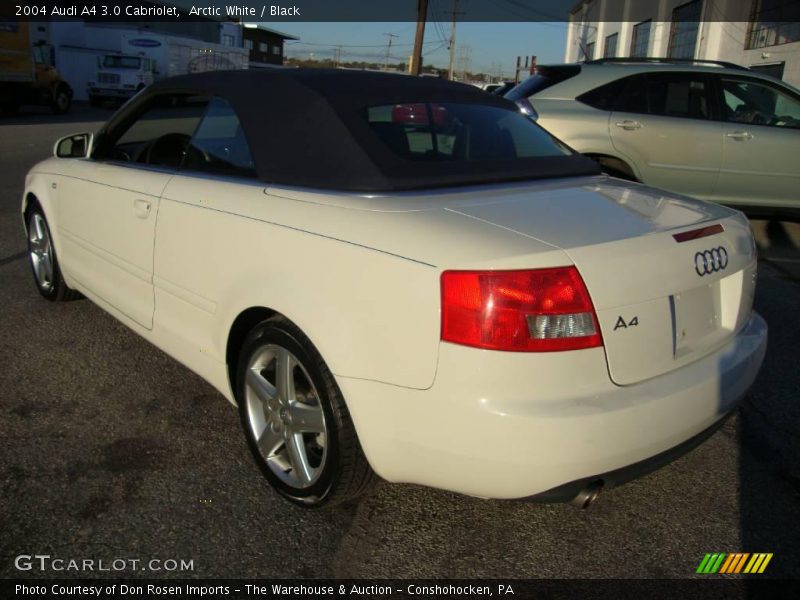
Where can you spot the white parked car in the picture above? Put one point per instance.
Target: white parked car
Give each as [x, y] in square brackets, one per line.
[403, 276]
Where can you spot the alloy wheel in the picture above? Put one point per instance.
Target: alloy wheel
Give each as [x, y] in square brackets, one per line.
[41, 252]
[285, 416]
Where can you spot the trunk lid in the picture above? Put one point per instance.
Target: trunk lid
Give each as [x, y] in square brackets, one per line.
[661, 303]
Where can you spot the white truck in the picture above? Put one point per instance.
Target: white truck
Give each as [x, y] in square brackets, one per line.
[120, 76]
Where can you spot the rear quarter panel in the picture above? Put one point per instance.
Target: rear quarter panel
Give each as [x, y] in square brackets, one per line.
[222, 248]
[582, 127]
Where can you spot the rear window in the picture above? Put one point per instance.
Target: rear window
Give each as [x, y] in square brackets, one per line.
[544, 78]
[456, 132]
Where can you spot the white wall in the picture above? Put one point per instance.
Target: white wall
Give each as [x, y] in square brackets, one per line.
[717, 40]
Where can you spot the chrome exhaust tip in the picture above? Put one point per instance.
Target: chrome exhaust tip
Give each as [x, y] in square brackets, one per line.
[587, 495]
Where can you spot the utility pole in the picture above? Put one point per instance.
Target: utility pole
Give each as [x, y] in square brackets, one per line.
[388, 48]
[415, 65]
[452, 42]
[337, 56]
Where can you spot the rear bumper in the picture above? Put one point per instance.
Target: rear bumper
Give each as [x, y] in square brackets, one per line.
[508, 425]
[611, 479]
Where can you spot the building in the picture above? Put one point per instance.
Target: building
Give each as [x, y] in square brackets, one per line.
[197, 46]
[265, 46]
[763, 35]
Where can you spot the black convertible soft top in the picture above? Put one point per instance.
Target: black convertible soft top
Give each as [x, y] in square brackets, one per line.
[307, 127]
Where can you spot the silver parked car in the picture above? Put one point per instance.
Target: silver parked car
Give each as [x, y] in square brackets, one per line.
[711, 130]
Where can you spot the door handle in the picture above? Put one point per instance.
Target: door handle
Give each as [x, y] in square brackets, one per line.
[741, 136]
[629, 125]
[142, 208]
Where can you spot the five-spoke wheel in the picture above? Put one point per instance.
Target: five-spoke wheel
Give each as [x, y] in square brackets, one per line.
[43, 260]
[295, 419]
[285, 416]
[41, 252]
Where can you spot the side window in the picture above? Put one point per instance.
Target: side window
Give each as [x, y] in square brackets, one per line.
[681, 95]
[158, 135]
[747, 101]
[219, 145]
[633, 97]
[605, 96]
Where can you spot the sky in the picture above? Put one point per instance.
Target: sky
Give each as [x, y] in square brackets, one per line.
[492, 47]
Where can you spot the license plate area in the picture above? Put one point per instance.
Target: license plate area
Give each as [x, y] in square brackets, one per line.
[696, 319]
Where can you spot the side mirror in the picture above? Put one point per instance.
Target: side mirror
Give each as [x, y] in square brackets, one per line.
[78, 145]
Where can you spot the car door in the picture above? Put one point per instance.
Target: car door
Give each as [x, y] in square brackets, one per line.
[761, 161]
[109, 203]
[663, 124]
[198, 231]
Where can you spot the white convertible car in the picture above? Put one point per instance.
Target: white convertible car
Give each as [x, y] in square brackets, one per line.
[403, 276]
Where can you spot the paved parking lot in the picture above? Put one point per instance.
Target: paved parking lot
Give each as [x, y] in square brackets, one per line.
[113, 450]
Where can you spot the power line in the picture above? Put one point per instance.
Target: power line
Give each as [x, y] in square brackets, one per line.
[333, 44]
[389, 47]
[437, 23]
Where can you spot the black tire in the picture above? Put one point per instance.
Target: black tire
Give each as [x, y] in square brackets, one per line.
[344, 472]
[615, 168]
[53, 288]
[62, 100]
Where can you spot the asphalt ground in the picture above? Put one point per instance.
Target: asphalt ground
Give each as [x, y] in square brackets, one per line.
[110, 449]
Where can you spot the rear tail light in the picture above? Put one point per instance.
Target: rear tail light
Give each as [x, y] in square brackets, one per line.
[542, 310]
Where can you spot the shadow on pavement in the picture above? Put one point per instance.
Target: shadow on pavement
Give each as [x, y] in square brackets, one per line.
[769, 427]
[80, 112]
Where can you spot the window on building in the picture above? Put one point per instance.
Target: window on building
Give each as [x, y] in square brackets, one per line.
[640, 40]
[610, 49]
[228, 40]
[219, 145]
[262, 47]
[683, 33]
[773, 22]
[248, 44]
[275, 50]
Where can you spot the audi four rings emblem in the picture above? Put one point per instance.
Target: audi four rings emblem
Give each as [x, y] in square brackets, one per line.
[710, 261]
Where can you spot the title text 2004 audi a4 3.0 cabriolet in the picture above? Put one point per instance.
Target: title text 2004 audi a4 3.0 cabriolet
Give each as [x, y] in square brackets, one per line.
[406, 277]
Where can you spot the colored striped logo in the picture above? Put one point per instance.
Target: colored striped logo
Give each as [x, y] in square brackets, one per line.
[736, 562]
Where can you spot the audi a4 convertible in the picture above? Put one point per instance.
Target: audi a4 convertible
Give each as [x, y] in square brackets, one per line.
[403, 277]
